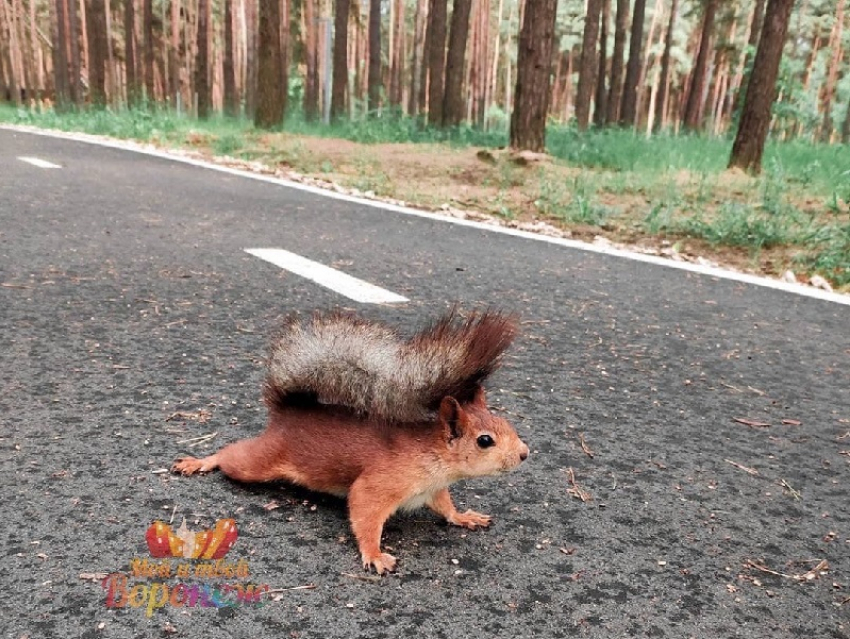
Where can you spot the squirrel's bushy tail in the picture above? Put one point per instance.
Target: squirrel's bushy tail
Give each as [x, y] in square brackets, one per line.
[340, 359]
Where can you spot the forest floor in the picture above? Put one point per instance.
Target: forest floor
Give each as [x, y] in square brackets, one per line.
[683, 205]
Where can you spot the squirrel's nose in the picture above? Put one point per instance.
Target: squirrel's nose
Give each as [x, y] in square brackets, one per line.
[523, 454]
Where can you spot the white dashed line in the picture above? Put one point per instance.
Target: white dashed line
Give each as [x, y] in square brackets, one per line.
[335, 280]
[42, 164]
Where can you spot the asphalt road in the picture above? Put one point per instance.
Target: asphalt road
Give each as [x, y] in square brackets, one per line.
[129, 310]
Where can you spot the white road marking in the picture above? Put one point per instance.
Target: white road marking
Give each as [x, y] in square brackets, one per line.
[337, 281]
[42, 164]
[711, 271]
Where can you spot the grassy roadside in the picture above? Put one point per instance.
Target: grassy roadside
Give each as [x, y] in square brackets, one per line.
[670, 195]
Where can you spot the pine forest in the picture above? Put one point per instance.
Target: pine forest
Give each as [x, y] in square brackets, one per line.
[678, 65]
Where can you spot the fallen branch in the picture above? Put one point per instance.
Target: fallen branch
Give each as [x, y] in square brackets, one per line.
[276, 590]
[809, 575]
[749, 471]
[585, 448]
[196, 441]
[794, 493]
[201, 416]
[94, 576]
[575, 490]
[750, 422]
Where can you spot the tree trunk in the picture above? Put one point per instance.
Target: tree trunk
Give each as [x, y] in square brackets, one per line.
[845, 127]
[285, 55]
[20, 46]
[828, 91]
[397, 57]
[752, 42]
[691, 119]
[588, 64]
[251, 58]
[269, 110]
[600, 109]
[755, 118]
[311, 54]
[231, 100]
[10, 85]
[36, 53]
[436, 60]
[481, 62]
[628, 108]
[340, 59]
[74, 42]
[60, 56]
[453, 102]
[534, 69]
[375, 76]
[663, 82]
[615, 92]
[129, 51]
[418, 67]
[174, 53]
[202, 64]
[96, 25]
[147, 44]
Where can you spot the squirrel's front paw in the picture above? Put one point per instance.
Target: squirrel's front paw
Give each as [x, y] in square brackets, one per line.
[382, 563]
[471, 519]
[188, 466]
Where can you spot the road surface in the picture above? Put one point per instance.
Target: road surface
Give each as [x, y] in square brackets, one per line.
[706, 421]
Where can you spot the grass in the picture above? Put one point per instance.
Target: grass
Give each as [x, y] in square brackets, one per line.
[611, 182]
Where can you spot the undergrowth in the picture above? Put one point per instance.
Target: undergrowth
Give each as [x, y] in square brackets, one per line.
[677, 178]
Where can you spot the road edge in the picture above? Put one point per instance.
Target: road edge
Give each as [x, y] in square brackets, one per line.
[603, 249]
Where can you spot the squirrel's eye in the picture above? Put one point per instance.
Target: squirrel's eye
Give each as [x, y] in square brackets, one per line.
[485, 441]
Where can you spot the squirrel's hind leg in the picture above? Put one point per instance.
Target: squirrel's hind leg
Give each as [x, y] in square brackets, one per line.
[258, 459]
[192, 465]
[442, 504]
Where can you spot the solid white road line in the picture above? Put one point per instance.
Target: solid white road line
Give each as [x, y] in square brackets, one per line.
[42, 164]
[337, 281]
[711, 271]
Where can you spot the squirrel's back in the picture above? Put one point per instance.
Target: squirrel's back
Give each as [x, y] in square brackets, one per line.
[341, 359]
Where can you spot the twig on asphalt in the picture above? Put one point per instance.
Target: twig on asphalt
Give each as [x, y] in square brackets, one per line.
[584, 446]
[810, 575]
[750, 422]
[746, 469]
[197, 441]
[794, 493]
[575, 490]
[201, 416]
[305, 587]
[93, 576]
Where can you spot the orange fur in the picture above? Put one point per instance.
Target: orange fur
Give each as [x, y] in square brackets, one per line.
[382, 467]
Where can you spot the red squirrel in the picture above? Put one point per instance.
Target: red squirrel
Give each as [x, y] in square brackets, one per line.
[357, 411]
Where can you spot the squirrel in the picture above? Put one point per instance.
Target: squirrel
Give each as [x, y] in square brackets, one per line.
[356, 411]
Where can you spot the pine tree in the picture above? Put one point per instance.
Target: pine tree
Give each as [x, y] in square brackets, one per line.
[269, 110]
[749, 142]
[533, 85]
[454, 105]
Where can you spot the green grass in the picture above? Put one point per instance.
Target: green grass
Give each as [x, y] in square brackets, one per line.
[615, 162]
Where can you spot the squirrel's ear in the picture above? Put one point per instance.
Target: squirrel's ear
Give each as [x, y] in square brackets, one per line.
[451, 417]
